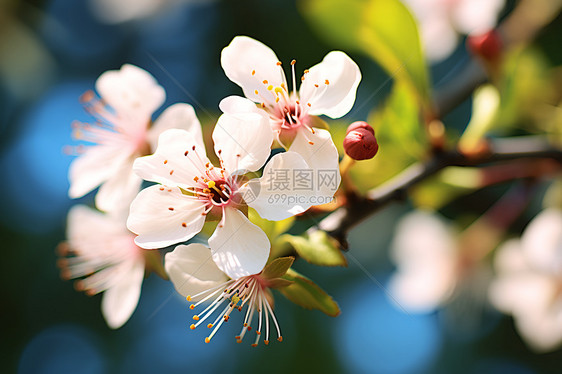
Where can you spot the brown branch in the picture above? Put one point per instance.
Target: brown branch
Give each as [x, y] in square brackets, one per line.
[358, 208]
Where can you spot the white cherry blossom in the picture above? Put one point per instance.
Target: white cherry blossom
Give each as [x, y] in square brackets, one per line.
[121, 132]
[424, 251]
[529, 281]
[441, 22]
[198, 279]
[102, 253]
[191, 188]
[327, 88]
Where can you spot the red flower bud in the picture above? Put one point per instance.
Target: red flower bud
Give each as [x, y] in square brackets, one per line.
[360, 125]
[360, 143]
[488, 45]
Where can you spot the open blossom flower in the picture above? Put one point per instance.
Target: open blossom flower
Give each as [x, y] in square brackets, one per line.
[424, 251]
[200, 280]
[529, 281]
[192, 188]
[441, 21]
[121, 133]
[327, 88]
[101, 251]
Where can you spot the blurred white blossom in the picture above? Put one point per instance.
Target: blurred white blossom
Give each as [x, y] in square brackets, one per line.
[121, 132]
[529, 281]
[425, 253]
[441, 21]
[102, 253]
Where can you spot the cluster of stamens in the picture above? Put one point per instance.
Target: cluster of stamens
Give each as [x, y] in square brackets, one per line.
[235, 295]
[94, 274]
[215, 186]
[286, 109]
[108, 127]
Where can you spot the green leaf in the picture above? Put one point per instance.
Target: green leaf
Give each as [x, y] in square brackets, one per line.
[278, 267]
[271, 228]
[401, 137]
[153, 263]
[278, 283]
[318, 248]
[307, 294]
[383, 29]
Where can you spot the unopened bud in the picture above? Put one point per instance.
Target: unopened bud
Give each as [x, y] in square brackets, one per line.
[360, 125]
[488, 46]
[360, 142]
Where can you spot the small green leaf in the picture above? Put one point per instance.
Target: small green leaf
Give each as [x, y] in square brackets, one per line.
[307, 294]
[317, 247]
[278, 283]
[278, 267]
[153, 263]
[271, 228]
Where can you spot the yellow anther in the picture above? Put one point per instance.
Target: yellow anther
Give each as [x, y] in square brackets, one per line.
[270, 87]
[278, 90]
[235, 299]
[256, 92]
[188, 298]
[196, 317]
[293, 62]
[211, 184]
[210, 325]
[207, 340]
[192, 327]
[192, 306]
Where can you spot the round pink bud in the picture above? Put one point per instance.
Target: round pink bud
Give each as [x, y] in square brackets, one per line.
[488, 45]
[360, 125]
[360, 144]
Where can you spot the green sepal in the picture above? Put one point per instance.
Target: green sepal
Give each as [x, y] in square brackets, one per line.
[308, 294]
[154, 264]
[277, 268]
[317, 247]
[278, 283]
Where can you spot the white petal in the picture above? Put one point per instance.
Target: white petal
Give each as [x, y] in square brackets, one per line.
[422, 291]
[92, 168]
[285, 189]
[476, 15]
[117, 193]
[170, 164]
[177, 116]
[509, 258]
[238, 104]
[245, 55]
[131, 91]
[84, 228]
[439, 38]
[322, 157]
[164, 216]
[243, 141]
[542, 241]
[120, 301]
[336, 98]
[192, 269]
[421, 239]
[238, 246]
